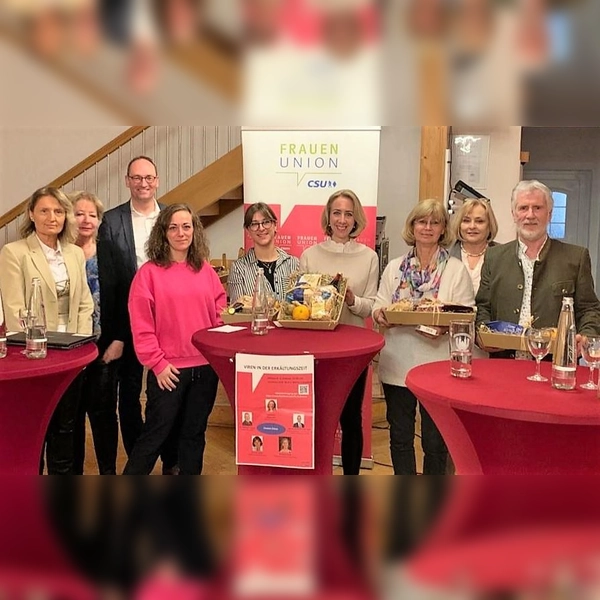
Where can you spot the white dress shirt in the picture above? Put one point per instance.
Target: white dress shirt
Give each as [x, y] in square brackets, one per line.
[142, 226]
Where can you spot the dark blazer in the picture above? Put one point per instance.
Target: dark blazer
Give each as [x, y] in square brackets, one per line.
[115, 236]
[114, 318]
[561, 270]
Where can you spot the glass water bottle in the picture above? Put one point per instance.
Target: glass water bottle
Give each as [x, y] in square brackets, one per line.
[564, 360]
[260, 305]
[36, 344]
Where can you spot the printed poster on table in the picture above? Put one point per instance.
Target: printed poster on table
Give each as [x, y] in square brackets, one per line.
[274, 411]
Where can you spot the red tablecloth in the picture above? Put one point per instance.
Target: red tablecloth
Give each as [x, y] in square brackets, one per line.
[29, 392]
[512, 533]
[498, 422]
[340, 357]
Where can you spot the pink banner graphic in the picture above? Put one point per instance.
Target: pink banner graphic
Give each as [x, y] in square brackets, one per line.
[275, 411]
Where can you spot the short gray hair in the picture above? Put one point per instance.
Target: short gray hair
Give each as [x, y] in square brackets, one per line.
[530, 185]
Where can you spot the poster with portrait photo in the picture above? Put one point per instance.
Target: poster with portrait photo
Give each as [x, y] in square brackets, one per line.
[278, 391]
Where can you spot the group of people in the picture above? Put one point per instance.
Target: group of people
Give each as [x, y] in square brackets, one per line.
[129, 276]
[126, 276]
[455, 261]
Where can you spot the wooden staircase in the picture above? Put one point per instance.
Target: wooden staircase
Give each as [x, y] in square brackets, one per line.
[214, 191]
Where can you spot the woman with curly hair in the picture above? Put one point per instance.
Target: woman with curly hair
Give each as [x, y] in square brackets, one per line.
[173, 295]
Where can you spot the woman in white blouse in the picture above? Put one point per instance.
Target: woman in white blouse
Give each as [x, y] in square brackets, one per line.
[47, 252]
[474, 228]
[427, 271]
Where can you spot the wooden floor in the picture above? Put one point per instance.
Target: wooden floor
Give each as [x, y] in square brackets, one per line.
[219, 456]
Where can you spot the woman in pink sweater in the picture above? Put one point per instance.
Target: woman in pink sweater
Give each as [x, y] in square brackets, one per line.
[174, 294]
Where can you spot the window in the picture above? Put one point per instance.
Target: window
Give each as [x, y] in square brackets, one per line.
[558, 224]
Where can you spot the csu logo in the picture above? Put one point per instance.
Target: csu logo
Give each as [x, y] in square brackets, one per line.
[321, 183]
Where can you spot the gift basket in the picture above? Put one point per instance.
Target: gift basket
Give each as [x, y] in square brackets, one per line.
[313, 301]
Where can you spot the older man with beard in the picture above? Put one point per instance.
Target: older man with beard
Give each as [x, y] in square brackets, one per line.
[525, 280]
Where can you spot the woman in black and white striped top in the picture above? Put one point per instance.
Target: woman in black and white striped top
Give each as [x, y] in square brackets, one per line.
[261, 223]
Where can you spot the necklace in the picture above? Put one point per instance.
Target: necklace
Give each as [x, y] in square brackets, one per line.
[269, 267]
[473, 255]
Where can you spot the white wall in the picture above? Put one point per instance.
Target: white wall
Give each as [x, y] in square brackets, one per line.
[504, 172]
[31, 157]
[399, 166]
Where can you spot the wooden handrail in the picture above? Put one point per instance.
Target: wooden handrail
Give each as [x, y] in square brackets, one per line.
[79, 168]
[213, 182]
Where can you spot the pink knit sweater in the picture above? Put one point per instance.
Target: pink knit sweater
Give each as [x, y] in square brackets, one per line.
[167, 306]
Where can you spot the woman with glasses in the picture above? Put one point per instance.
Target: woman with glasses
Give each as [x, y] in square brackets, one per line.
[47, 252]
[426, 272]
[343, 219]
[261, 223]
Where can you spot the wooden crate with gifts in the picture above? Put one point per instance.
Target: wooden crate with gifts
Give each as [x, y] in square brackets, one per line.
[240, 311]
[313, 301]
[427, 312]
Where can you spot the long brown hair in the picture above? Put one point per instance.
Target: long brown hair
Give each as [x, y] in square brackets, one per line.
[157, 246]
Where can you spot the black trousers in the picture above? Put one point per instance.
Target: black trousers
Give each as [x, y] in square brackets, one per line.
[130, 376]
[186, 409]
[99, 402]
[59, 443]
[129, 379]
[401, 413]
[351, 425]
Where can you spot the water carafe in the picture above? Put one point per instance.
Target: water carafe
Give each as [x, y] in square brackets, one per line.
[260, 305]
[35, 327]
[564, 360]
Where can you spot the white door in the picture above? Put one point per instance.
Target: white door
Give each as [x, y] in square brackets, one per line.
[572, 215]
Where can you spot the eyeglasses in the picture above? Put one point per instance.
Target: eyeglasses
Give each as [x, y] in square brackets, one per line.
[430, 222]
[266, 224]
[139, 178]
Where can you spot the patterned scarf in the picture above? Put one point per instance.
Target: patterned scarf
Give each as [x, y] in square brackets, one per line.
[416, 282]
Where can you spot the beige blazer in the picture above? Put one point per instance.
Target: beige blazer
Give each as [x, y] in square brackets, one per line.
[21, 261]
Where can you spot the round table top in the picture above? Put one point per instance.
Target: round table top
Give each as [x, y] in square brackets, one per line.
[499, 387]
[17, 366]
[345, 341]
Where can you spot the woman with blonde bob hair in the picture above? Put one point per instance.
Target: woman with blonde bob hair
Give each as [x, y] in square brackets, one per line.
[47, 252]
[174, 294]
[425, 272]
[343, 220]
[107, 281]
[474, 228]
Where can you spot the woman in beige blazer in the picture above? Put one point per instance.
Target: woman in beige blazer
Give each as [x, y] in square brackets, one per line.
[47, 252]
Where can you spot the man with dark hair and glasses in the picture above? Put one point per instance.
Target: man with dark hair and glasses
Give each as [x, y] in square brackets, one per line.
[128, 227]
[261, 223]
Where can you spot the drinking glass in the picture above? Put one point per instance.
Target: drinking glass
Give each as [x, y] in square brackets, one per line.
[538, 341]
[590, 348]
[462, 334]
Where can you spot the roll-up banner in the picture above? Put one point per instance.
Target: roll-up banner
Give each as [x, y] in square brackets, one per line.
[295, 171]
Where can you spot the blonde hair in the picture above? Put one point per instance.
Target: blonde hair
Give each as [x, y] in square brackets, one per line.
[68, 233]
[467, 206]
[427, 208]
[75, 197]
[360, 219]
